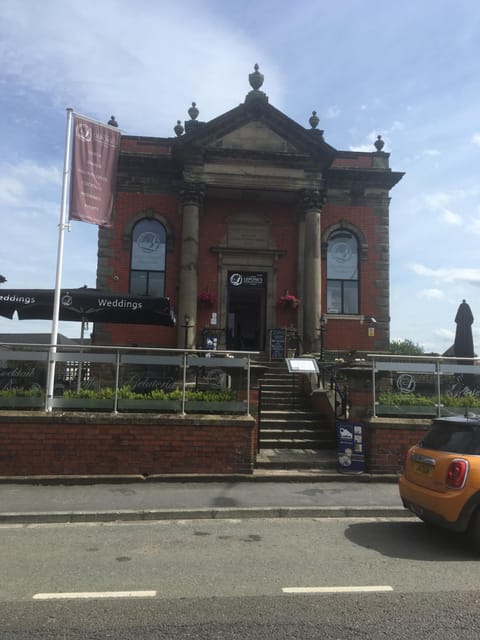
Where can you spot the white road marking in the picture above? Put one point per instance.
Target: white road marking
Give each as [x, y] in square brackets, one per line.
[94, 594]
[336, 589]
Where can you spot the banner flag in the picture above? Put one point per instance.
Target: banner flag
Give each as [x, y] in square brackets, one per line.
[95, 151]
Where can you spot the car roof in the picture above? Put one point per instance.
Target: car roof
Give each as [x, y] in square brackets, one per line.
[471, 419]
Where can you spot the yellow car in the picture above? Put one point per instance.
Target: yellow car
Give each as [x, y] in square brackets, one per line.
[441, 480]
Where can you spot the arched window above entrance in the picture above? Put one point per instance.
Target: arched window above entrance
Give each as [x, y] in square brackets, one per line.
[147, 258]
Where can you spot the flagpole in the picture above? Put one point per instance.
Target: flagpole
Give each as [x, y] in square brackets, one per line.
[58, 279]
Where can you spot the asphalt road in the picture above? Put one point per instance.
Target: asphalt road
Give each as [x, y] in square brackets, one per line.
[262, 578]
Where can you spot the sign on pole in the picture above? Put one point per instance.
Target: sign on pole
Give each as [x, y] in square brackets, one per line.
[95, 150]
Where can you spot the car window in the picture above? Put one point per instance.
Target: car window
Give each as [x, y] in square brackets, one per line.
[453, 438]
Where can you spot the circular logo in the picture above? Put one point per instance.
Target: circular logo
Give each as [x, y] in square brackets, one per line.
[67, 300]
[406, 383]
[148, 241]
[236, 279]
[341, 252]
[84, 132]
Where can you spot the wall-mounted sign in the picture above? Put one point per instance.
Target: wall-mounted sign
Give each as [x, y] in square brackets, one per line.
[238, 279]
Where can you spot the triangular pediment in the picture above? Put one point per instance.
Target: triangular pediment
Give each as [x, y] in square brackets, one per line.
[255, 127]
[254, 136]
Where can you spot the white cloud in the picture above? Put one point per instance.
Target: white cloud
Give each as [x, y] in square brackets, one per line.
[20, 184]
[431, 294]
[332, 112]
[475, 225]
[448, 275]
[476, 139]
[450, 217]
[12, 190]
[445, 334]
[104, 65]
[369, 146]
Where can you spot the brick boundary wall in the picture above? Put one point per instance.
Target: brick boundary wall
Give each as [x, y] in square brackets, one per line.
[101, 444]
[388, 440]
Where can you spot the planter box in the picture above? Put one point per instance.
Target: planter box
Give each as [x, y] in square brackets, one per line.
[214, 406]
[18, 402]
[82, 404]
[410, 411]
[150, 406]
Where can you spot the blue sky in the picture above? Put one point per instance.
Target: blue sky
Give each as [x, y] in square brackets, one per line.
[409, 71]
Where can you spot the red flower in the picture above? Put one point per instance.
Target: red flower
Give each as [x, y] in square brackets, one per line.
[288, 300]
[207, 298]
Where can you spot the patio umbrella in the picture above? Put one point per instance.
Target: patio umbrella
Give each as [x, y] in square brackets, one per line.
[86, 305]
[463, 345]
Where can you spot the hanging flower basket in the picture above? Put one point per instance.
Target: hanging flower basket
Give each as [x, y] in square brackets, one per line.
[289, 301]
[207, 299]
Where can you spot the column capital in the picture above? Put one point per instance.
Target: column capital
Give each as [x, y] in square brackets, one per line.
[192, 193]
[312, 199]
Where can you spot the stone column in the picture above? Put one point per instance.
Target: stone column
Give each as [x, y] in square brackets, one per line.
[312, 281]
[192, 196]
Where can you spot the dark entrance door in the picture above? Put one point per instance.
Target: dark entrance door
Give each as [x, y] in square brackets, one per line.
[246, 311]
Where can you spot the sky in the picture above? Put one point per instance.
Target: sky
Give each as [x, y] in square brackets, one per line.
[407, 71]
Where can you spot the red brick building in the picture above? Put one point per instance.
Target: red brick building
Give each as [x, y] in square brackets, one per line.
[248, 223]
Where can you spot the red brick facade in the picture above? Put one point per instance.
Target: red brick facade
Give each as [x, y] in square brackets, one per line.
[35, 445]
[255, 186]
[389, 440]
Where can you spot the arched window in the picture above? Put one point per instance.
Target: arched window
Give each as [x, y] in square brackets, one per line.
[147, 266]
[342, 273]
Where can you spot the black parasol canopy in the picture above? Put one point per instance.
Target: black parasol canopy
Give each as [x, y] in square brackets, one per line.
[463, 345]
[86, 305]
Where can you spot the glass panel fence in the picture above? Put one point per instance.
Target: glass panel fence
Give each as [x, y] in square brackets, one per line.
[425, 387]
[125, 379]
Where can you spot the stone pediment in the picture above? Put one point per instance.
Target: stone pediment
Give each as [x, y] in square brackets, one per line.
[254, 136]
[255, 127]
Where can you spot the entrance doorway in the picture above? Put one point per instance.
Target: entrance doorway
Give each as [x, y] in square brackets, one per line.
[246, 311]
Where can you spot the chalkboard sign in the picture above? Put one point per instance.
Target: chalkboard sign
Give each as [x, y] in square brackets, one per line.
[277, 344]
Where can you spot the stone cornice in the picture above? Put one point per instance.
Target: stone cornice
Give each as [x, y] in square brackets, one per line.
[376, 178]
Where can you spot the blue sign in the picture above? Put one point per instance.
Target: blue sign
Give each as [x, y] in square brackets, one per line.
[350, 447]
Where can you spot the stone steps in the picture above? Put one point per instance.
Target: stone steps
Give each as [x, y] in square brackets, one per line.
[287, 426]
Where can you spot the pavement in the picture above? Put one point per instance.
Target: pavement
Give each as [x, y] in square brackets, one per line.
[281, 494]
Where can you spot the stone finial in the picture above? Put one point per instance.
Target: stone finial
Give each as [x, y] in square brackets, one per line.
[256, 78]
[112, 122]
[178, 128]
[314, 120]
[193, 111]
[379, 143]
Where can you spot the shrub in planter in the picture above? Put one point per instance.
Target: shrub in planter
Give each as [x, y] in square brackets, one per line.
[21, 398]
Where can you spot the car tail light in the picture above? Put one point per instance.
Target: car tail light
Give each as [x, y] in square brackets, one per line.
[457, 473]
[407, 457]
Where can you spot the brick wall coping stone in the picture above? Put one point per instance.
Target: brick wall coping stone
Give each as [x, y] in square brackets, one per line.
[412, 424]
[71, 417]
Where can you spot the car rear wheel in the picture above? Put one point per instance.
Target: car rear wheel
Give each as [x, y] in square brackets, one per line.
[474, 530]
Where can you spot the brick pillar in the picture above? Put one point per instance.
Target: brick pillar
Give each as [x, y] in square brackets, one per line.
[192, 196]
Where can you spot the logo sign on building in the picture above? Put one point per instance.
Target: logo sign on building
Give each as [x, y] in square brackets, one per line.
[95, 149]
[237, 279]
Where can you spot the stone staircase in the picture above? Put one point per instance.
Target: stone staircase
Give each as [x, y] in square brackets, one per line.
[291, 436]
